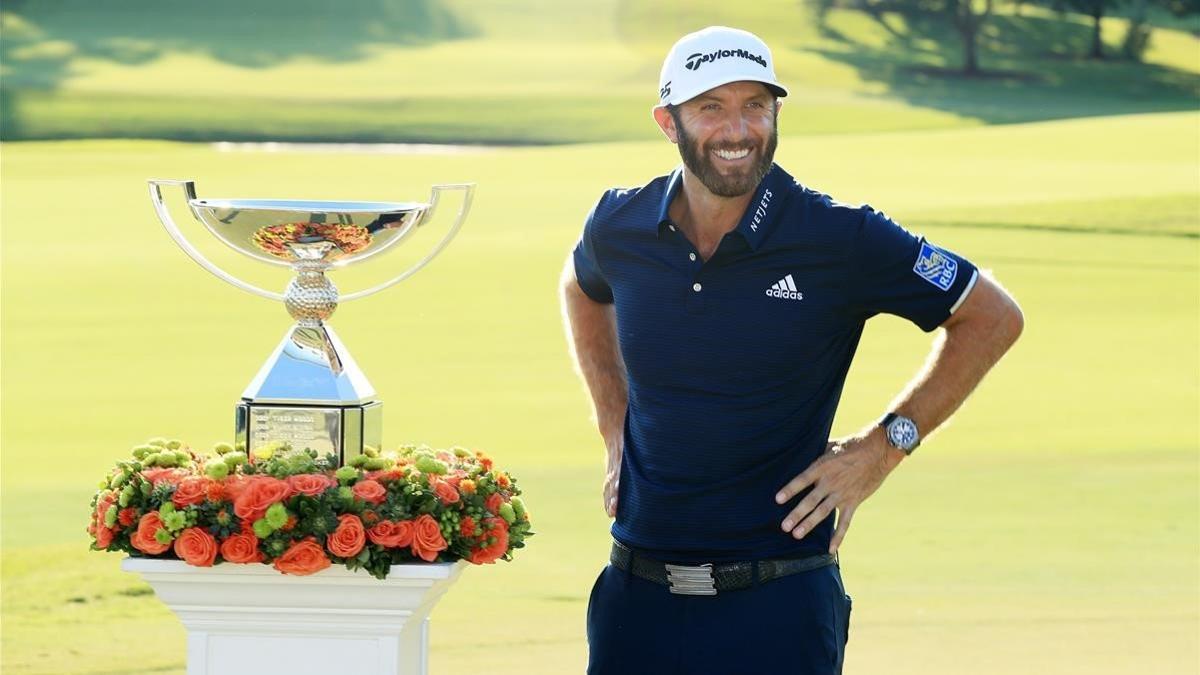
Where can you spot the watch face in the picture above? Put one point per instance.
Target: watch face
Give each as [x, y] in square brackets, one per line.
[902, 433]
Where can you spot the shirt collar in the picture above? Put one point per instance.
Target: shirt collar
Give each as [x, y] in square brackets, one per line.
[760, 214]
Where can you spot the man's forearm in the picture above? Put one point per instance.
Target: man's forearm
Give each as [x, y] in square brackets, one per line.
[973, 341]
[592, 335]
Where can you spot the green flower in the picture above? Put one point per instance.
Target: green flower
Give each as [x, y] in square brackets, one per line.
[216, 470]
[377, 464]
[507, 513]
[110, 516]
[277, 516]
[174, 444]
[519, 506]
[234, 459]
[262, 529]
[162, 536]
[223, 448]
[173, 521]
[157, 442]
[431, 465]
[346, 474]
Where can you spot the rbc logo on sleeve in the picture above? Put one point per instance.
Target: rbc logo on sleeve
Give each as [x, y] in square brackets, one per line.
[934, 266]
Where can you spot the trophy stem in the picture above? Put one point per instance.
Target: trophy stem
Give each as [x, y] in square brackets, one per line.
[311, 297]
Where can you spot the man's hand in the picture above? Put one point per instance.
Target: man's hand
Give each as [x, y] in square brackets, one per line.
[850, 471]
[612, 477]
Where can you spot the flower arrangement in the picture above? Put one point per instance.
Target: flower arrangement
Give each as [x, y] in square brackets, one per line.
[294, 510]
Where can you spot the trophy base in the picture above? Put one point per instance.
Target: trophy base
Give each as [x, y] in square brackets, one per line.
[342, 430]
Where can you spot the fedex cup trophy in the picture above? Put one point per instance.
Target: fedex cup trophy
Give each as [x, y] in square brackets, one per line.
[309, 393]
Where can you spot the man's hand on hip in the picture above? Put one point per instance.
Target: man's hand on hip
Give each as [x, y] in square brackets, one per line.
[850, 471]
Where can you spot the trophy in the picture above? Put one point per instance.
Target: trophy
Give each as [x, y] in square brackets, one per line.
[310, 392]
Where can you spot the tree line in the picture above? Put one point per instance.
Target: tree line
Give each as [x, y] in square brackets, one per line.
[968, 18]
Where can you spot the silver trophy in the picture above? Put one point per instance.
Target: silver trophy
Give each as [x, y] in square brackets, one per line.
[310, 392]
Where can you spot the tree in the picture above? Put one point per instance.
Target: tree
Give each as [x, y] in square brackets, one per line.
[968, 22]
[1137, 35]
[1096, 9]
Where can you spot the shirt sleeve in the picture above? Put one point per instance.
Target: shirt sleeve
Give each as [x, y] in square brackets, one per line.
[587, 267]
[897, 272]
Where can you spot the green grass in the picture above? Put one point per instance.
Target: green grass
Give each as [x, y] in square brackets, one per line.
[1051, 527]
[524, 71]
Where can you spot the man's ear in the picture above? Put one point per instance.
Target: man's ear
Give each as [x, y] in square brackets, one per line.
[666, 122]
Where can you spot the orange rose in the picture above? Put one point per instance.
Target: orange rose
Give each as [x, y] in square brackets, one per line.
[104, 536]
[427, 538]
[370, 491]
[196, 547]
[391, 534]
[302, 558]
[395, 473]
[349, 537]
[241, 548]
[445, 492]
[235, 485]
[493, 502]
[496, 527]
[190, 491]
[259, 494]
[310, 484]
[143, 540]
[162, 474]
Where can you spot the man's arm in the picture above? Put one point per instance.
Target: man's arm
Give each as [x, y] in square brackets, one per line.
[592, 336]
[975, 337]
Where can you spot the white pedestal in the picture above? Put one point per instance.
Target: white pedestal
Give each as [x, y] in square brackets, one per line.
[252, 620]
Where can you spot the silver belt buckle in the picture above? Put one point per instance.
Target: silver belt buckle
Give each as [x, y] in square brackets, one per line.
[691, 579]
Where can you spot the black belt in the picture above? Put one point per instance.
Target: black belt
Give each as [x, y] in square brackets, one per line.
[710, 578]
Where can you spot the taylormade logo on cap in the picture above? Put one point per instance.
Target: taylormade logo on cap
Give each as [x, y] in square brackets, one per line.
[696, 60]
[712, 57]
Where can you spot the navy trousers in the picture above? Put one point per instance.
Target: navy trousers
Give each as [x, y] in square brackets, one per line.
[796, 625]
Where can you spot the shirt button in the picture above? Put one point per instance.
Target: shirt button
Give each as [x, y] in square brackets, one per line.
[691, 256]
[696, 287]
[671, 227]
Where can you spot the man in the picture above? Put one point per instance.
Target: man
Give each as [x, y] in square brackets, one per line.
[713, 314]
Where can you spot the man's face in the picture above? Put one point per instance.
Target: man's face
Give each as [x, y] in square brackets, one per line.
[727, 136]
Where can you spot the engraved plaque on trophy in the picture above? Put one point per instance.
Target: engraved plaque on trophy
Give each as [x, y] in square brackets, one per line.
[310, 392]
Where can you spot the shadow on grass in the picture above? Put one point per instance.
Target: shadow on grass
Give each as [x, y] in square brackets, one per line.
[1031, 70]
[44, 41]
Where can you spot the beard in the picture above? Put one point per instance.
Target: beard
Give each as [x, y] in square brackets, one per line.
[698, 160]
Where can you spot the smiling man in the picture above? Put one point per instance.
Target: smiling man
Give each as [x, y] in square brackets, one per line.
[713, 314]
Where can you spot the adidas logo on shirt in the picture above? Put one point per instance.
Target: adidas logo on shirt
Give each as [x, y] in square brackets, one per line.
[785, 288]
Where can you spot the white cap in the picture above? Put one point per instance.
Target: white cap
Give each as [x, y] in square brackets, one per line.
[712, 57]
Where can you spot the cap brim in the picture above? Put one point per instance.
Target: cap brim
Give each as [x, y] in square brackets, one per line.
[678, 97]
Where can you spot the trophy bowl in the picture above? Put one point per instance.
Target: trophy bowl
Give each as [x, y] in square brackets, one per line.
[266, 229]
[309, 393]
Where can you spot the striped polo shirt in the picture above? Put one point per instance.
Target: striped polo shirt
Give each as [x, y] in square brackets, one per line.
[736, 363]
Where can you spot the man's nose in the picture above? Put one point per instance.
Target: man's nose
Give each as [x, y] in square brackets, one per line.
[736, 126]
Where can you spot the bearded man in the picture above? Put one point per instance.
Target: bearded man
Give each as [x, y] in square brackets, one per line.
[713, 314]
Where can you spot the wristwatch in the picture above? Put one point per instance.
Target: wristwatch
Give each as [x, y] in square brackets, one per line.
[901, 432]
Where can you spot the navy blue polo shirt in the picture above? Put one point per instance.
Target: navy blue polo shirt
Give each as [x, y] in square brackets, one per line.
[736, 363]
